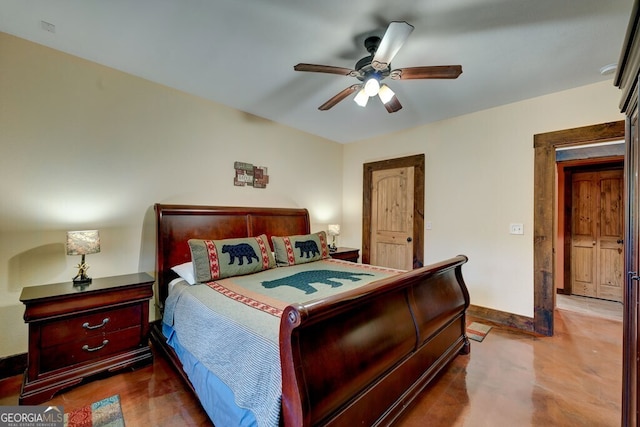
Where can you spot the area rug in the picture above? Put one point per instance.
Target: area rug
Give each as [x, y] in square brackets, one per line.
[477, 331]
[104, 413]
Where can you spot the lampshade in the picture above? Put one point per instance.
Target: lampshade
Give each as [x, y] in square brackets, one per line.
[361, 98]
[83, 242]
[385, 94]
[372, 86]
[334, 229]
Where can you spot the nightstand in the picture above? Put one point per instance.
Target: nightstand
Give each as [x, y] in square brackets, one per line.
[77, 332]
[347, 254]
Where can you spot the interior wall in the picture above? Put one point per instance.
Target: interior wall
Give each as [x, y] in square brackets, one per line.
[85, 146]
[479, 180]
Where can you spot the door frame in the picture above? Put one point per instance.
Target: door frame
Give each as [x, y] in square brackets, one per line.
[544, 216]
[417, 162]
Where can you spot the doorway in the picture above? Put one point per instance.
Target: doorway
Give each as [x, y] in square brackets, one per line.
[393, 212]
[544, 216]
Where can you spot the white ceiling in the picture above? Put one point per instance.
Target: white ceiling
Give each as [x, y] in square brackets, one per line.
[241, 53]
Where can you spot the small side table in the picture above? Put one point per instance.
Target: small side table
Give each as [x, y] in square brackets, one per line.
[77, 332]
[347, 254]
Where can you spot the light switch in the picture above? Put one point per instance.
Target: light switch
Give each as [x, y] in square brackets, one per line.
[516, 229]
[428, 225]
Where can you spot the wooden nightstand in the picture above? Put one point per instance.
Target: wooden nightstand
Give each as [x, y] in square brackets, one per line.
[75, 332]
[347, 254]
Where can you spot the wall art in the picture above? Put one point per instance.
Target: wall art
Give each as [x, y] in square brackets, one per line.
[248, 174]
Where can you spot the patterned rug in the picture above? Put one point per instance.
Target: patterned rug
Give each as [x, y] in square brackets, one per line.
[477, 331]
[104, 413]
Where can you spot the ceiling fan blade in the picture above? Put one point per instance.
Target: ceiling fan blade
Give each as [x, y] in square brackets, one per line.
[326, 69]
[393, 105]
[339, 97]
[393, 39]
[434, 72]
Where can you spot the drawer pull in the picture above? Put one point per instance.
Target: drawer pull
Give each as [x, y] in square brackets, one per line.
[104, 322]
[86, 347]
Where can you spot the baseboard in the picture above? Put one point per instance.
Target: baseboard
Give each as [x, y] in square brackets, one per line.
[510, 320]
[13, 365]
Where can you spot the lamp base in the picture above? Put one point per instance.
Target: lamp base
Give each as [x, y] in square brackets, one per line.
[81, 281]
[81, 278]
[332, 249]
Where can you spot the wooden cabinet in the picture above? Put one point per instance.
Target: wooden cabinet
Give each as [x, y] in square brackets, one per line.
[347, 254]
[627, 80]
[78, 332]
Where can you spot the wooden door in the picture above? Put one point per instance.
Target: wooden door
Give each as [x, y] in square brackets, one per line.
[628, 80]
[597, 258]
[414, 202]
[631, 321]
[392, 218]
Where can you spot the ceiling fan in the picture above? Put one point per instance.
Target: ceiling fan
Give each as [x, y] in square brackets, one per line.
[373, 69]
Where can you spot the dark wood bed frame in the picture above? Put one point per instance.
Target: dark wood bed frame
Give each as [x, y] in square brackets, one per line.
[358, 358]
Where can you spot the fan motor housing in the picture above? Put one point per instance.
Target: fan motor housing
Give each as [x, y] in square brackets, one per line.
[363, 66]
[365, 70]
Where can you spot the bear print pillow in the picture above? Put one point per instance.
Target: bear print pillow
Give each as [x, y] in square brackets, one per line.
[292, 250]
[217, 259]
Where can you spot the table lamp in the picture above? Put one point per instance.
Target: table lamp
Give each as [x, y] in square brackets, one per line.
[333, 231]
[82, 243]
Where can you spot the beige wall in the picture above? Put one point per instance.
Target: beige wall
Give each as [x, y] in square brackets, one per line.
[85, 146]
[479, 179]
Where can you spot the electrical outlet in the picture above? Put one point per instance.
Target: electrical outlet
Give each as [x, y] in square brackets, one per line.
[516, 229]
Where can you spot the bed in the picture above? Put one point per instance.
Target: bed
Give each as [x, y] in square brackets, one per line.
[342, 355]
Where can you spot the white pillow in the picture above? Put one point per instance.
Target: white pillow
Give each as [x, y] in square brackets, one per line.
[186, 272]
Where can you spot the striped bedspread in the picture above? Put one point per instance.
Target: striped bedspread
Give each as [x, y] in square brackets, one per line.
[232, 325]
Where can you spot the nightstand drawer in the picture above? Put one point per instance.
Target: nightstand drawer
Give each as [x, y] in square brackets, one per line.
[88, 325]
[89, 348]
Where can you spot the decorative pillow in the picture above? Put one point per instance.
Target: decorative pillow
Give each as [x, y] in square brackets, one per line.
[186, 272]
[217, 259]
[292, 250]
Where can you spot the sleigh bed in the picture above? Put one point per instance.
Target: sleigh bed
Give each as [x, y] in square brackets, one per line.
[344, 352]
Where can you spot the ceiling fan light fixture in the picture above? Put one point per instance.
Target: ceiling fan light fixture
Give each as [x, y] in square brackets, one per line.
[385, 94]
[361, 98]
[371, 70]
[372, 86]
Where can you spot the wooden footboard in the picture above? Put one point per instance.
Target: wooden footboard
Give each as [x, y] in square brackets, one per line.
[360, 357]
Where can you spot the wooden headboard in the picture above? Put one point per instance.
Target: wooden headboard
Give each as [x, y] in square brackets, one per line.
[176, 224]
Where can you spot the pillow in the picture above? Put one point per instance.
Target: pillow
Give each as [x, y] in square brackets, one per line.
[217, 259]
[185, 271]
[292, 250]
